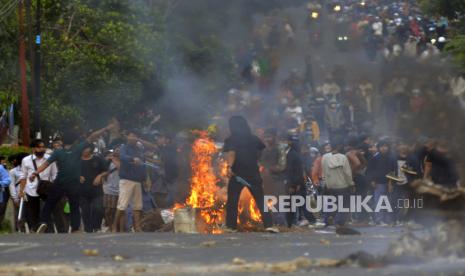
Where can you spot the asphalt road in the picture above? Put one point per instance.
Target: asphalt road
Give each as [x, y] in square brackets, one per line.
[191, 254]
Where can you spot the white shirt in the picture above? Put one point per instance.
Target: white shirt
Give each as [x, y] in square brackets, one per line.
[27, 168]
[400, 174]
[16, 176]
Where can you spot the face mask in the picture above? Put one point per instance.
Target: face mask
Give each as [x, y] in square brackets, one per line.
[40, 154]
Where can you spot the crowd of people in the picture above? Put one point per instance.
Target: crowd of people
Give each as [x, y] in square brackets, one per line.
[106, 188]
[348, 131]
[336, 130]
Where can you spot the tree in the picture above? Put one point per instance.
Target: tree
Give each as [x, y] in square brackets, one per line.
[102, 58]
[454, 10]
[98, 55]
[9, 66]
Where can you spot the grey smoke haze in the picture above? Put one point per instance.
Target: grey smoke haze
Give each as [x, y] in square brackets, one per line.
[199, 77]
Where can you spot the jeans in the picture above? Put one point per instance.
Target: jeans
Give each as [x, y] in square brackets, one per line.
[92, 213]
[5, 196]
[55, 195]
[382, 216]
[234, 192]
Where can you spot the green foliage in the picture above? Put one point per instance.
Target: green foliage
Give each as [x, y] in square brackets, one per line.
[9, 65]
[9, 151]
[457, 48]
[105, 58]
[5, 227]
[451, 9]
[454, 10]
[98, 57]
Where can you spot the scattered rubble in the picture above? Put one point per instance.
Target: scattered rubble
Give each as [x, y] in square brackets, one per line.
[118, 258]
[90, 252]
[347, 231]
[238, 261]
[325, 242]
[208, 243]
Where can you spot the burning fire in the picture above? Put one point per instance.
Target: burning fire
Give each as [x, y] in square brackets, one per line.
[207, 196]
[249, 215]
[203, 182]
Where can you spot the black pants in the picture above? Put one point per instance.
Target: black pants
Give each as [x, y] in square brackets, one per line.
[55, 195]
[31, 214]
[92, 212]
[234, 192]
[361, 189]
[60, 219]
[291, 217]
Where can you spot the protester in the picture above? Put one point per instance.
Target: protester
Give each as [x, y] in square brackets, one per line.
[91, 192]
[317, 169]
[29, 189]
[443, 171]
[14, 188]
[243, 152]
[358, 166]
[295, 183]
[401, 191]
[334, 121]
[381, 165]
[4, 195]
[169, 158]
[111, 188]
[337, 174]
[132, 174]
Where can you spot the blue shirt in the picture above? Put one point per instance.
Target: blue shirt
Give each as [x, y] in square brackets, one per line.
[4, 181]
[129, 170]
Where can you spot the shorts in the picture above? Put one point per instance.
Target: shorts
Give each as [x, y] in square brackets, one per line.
[110, 201]
[130, 191]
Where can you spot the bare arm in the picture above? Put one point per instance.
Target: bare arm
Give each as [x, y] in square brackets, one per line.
[229, 157]
[427, 172]
[96, 134]
[40, 169]
[148, 144]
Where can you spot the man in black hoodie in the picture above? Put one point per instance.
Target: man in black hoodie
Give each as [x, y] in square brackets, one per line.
[443, 171]
[381, 165]
[295, 183]
[243, 151]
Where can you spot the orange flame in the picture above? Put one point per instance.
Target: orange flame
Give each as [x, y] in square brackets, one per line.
[207, 196]
[249, 214]
[224, 170]
[203, 181]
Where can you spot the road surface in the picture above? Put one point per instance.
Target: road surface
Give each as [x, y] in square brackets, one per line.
[191, 254]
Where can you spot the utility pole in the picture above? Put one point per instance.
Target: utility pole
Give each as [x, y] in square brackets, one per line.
[37, 110]
[31, 50]
[22, 67]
